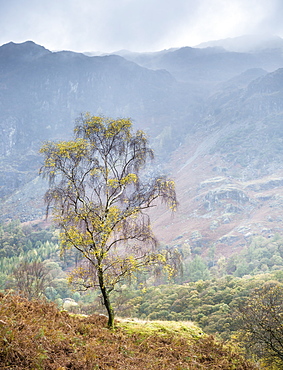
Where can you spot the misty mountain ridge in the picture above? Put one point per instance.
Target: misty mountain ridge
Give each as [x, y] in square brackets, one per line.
[263, 51]
[214, 117]
[246, 43]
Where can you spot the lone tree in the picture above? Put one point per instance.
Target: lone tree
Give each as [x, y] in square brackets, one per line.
[98, 200]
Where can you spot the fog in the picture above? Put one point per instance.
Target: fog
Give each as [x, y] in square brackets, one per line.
[137, 25]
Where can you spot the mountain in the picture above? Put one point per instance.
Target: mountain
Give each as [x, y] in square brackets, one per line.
[247, 43]
[42, 93]
[213, 63]
[214, 118]
[229, 173]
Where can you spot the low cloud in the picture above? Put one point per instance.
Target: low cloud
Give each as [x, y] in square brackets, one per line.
[136, 25]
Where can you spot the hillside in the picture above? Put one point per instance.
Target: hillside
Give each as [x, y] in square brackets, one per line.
[229, 175]
[214, 117]
[37, 335]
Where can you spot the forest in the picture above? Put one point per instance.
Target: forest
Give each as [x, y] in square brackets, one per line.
[206, 292]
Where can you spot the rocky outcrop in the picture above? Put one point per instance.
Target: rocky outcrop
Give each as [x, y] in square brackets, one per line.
[216, 197]
[265, 184]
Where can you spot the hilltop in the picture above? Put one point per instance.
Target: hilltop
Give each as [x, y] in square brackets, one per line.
[37, 335]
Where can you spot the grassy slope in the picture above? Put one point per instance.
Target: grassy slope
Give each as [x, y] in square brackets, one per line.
[35, 335]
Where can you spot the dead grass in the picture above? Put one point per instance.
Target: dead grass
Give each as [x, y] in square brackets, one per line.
[35, 335]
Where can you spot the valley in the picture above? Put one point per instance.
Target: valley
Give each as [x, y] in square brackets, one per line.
[213, 115]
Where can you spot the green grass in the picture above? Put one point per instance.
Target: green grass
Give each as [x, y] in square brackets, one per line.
[185, 329]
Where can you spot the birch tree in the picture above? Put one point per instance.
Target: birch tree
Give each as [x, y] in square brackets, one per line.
[99, 200]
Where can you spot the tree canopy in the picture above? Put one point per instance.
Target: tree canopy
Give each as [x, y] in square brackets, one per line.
[99, 197]
[260, 321]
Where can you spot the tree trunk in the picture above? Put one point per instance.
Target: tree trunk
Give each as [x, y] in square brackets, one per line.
[106, 300]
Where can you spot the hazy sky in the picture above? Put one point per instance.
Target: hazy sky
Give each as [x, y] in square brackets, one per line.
[137, 25]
